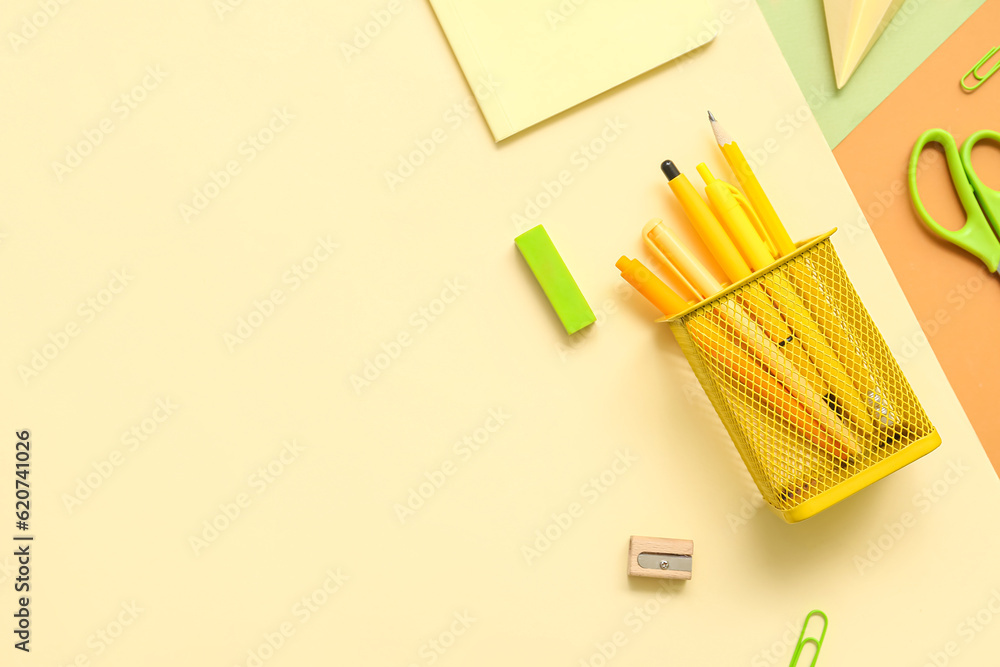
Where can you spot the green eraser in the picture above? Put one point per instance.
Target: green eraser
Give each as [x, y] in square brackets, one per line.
[556, 280]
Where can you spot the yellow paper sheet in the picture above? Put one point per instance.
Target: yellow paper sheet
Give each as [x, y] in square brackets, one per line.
[546, 56]
[238, 407]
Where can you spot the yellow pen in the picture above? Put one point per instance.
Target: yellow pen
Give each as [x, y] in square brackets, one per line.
[818, 347]
[708, 228]
[787, 374]
[735, 362]
[724, 251]
[736, 220]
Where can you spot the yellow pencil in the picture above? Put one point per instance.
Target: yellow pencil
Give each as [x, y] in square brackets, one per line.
[751, 186]
[737, 219]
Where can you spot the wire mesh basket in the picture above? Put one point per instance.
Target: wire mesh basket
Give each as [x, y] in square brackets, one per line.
[804, 382]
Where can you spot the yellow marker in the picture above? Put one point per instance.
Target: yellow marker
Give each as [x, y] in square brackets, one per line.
[736, 221]
[755, 193]
[704, 285]
[650, 286]
[692, 272]
[708, 228]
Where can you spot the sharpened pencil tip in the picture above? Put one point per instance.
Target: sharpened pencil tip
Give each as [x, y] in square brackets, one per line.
[721, 136]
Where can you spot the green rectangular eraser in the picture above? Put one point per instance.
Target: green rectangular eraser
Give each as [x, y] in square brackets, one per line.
[556, 280]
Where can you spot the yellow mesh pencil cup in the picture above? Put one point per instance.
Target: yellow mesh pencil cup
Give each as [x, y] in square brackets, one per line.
[808, 440]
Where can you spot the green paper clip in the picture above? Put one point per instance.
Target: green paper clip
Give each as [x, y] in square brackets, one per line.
[980, 78]
[805, 641]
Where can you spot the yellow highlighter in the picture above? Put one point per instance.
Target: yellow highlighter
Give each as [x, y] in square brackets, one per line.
[703, 284]
[651, 287]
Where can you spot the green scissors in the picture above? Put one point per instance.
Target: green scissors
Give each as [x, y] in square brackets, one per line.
[981, 203]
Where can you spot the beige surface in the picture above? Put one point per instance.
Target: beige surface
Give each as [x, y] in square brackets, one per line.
[485, 395]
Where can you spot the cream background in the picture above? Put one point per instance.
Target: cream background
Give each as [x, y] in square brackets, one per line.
[573, 404]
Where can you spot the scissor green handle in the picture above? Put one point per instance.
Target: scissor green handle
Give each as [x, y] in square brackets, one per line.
[989, 199]
[975, 236]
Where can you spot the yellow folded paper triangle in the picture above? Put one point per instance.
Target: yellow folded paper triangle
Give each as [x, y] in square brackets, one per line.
[854, 26]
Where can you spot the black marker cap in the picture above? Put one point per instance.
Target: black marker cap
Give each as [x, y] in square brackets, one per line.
[670, 170]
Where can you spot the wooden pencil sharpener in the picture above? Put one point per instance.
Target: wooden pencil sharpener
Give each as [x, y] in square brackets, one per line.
[660, 557]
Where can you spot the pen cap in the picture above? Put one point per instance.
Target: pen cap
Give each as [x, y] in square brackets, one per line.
[690, 271]
[670, 170]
